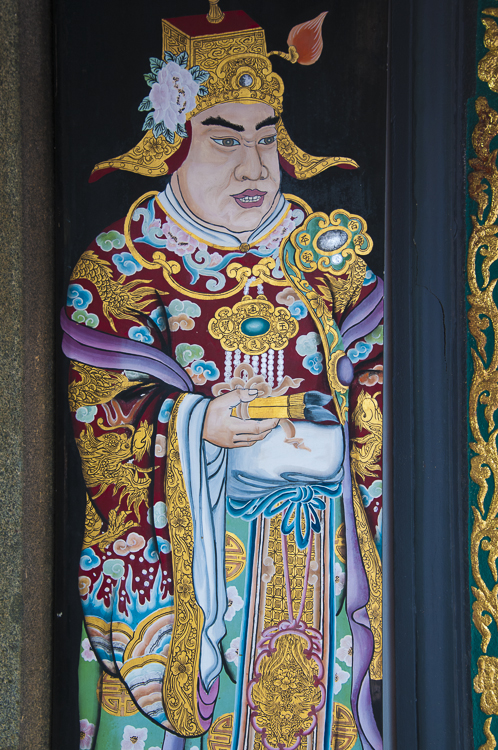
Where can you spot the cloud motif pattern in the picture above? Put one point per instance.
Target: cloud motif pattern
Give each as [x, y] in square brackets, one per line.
[313, 363]
[150, 552]
[89, 319]
[307, 344]
[160, 318]
[370, 493]
[114, 568]
[298, 310]
[187, 353]
[112, 240]
[141, 333]
[201, 371]
[360, 351]
[369, 277]
[126, 264]
[160, 517]
[165, 411]
[89, 560]
[178, 306]
[376, 337]
[287, 296]
[78, 297]
[86, 414]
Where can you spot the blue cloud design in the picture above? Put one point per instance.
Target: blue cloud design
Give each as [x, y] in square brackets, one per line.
[369, 493]
[298, 310]
[109, 240]
[78, 297]
[208, 369]
[369, 278]
[126, 263]
[165, 412]
[360, 351]
[86, 413]
[150, 552]
[89, 560]
[177, 306]
[307, 344]
[141, 333]
[159, 317]
[313, 363]
[89, 319]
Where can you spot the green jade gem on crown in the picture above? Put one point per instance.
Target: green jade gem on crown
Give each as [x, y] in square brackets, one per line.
[255, 326]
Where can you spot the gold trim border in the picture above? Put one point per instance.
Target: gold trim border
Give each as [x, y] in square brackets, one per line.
[483, 392]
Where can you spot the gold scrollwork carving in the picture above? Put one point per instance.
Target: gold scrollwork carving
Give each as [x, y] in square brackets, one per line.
[181, 676]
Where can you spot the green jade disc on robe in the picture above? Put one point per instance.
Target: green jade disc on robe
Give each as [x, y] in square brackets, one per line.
[255, 326]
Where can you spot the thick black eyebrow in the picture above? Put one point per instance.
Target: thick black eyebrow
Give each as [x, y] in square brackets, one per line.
[268, 121]
[224, 123]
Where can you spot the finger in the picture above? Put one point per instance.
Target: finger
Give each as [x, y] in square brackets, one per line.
[243, 445]
[247, 394]
[249, 437]
[256, 426]
[233, 398]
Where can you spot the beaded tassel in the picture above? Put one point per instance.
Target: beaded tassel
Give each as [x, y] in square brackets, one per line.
[280, 366]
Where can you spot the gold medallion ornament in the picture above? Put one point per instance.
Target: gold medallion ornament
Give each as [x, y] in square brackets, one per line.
[344, 731]
[253, 325]
[114, 697]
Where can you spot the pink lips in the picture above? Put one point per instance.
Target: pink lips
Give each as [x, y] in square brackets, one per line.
[249, 198]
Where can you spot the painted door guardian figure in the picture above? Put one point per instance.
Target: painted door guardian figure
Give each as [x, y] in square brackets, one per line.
[226, 391]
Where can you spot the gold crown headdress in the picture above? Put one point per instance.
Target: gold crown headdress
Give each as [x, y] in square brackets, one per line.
[209, 60]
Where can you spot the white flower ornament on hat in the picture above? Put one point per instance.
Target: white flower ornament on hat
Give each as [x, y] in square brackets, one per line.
[173, 92]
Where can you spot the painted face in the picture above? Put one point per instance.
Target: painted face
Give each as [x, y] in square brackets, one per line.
[231, 175]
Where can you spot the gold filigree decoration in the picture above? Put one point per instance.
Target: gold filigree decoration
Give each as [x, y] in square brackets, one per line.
[235, 556]
[96, 386]
[106, 459]
[487, 70]
[180, 682]
[114, 697]
[490, 743]
[220, 733]
[366, 450]
[119, 300]
[286, 692]
[117, 524]
[373, 569]
[344, 292]
[483, 325]
[253, 326]
[344, 731]
[485, 683]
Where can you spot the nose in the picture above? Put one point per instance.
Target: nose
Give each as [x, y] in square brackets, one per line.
[250, 166]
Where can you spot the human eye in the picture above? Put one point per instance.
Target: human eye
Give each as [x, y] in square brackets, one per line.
[227, 142]
[268, 140]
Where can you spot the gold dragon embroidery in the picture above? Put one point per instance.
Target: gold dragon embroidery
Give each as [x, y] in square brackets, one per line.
[96, 386]
[344, 292]
[367, 449]
[117, 524]
[107, 460]
[119, 300]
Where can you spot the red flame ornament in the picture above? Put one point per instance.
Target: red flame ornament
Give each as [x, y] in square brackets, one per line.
[307, 39]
